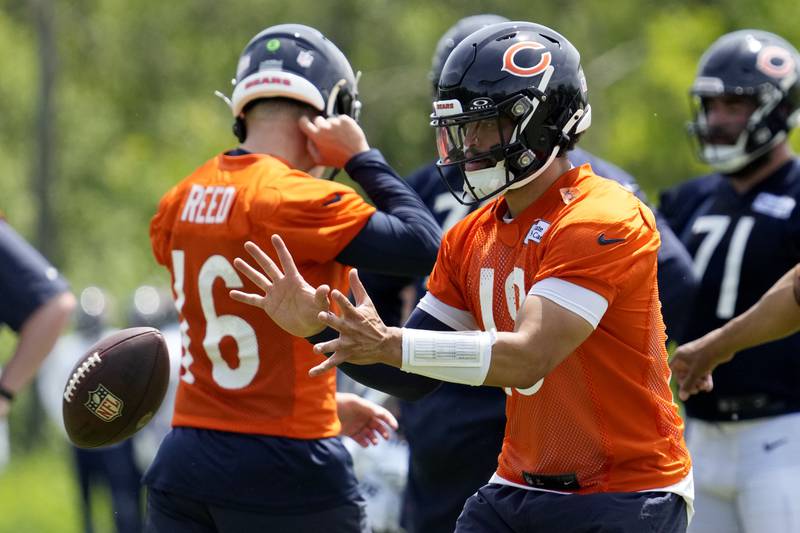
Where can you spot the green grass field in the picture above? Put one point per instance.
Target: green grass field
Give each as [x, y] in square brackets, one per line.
[39, 492]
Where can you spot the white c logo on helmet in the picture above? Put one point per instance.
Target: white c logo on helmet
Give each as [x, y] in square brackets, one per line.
[510, 65]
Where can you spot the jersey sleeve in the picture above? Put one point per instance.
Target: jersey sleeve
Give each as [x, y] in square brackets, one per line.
[315, 218]
[600, 257]
[445, 281]
[162, 223]
[27, 279]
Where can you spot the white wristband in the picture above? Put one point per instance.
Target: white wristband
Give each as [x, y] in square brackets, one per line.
[454, 356]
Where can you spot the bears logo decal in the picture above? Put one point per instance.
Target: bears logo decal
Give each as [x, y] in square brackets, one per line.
[511, 66]
[775, 61]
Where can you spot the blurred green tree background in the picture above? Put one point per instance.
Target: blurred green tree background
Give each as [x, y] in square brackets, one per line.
[132, 111]
[133, 107]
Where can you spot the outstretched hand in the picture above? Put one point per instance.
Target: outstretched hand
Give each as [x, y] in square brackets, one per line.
[287, 298]
[693, 363]
[362, 420]
[363, 337]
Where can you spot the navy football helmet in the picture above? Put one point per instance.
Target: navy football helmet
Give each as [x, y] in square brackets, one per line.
[523, 84]
[296, 62]
[755, 64]
[457, 33]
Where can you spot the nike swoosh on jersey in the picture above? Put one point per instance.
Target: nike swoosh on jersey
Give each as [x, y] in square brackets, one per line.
[769, 446]
[335, 198]
[601, 239]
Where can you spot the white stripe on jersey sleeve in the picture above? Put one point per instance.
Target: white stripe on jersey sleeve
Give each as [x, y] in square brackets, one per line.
[457, 319]
[585, 303]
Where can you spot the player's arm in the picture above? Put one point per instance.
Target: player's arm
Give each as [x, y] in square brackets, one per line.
[295, 306]
[36, 304]
[37, 337]
[546, 333]
[385, 378]
[402, 237]
[774, 316]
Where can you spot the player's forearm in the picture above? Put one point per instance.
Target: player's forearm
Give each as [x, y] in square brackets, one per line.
[36, 339]
[505, 359]
[546, 334]
[774, 316]
[516, 362]
[406, 224]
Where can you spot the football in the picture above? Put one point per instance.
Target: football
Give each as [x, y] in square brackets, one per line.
[116, 387]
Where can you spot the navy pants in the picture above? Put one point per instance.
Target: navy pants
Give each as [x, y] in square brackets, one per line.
[115, 467]
[170, 513]
[503, 509]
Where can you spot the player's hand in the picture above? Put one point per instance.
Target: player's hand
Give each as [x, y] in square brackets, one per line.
[363, 337]
[5, 407]
[693, 363]
[362, 420]
[333, 141]
[287, 298]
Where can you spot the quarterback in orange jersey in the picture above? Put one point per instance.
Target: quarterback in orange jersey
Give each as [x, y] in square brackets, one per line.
[254, 444]
[548, 291]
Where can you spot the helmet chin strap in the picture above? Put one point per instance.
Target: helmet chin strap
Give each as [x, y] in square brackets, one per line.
[528, 179]
[580, 120]
[494, 179]
[331, 104]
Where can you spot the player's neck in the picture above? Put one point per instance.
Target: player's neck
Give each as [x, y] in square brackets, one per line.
[777, 158]
[285, 142]
[519, 199]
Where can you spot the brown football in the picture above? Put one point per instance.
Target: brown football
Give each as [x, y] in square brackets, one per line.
[116, 388]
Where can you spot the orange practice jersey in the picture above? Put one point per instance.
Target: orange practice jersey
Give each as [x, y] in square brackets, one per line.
[605, 415]
[241, 372]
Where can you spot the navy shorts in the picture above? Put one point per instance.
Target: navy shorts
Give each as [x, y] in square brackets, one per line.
[504, 509]
[170, 513]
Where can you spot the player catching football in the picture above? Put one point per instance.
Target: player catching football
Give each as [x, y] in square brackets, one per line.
[254, 444]
[548, 290]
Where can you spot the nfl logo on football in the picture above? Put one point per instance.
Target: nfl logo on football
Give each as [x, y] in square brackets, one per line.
[104, 404]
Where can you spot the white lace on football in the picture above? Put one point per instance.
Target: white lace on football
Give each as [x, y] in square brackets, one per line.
[79, 374]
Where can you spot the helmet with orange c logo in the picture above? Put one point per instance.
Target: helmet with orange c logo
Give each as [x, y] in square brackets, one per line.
[746, 64]
[511, 98]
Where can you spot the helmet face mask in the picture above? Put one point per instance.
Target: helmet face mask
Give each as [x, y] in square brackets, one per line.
[524, 83]
[754, 67]
[486, 145]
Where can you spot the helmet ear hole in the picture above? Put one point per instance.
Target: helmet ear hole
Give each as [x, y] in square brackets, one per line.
[520, 107]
